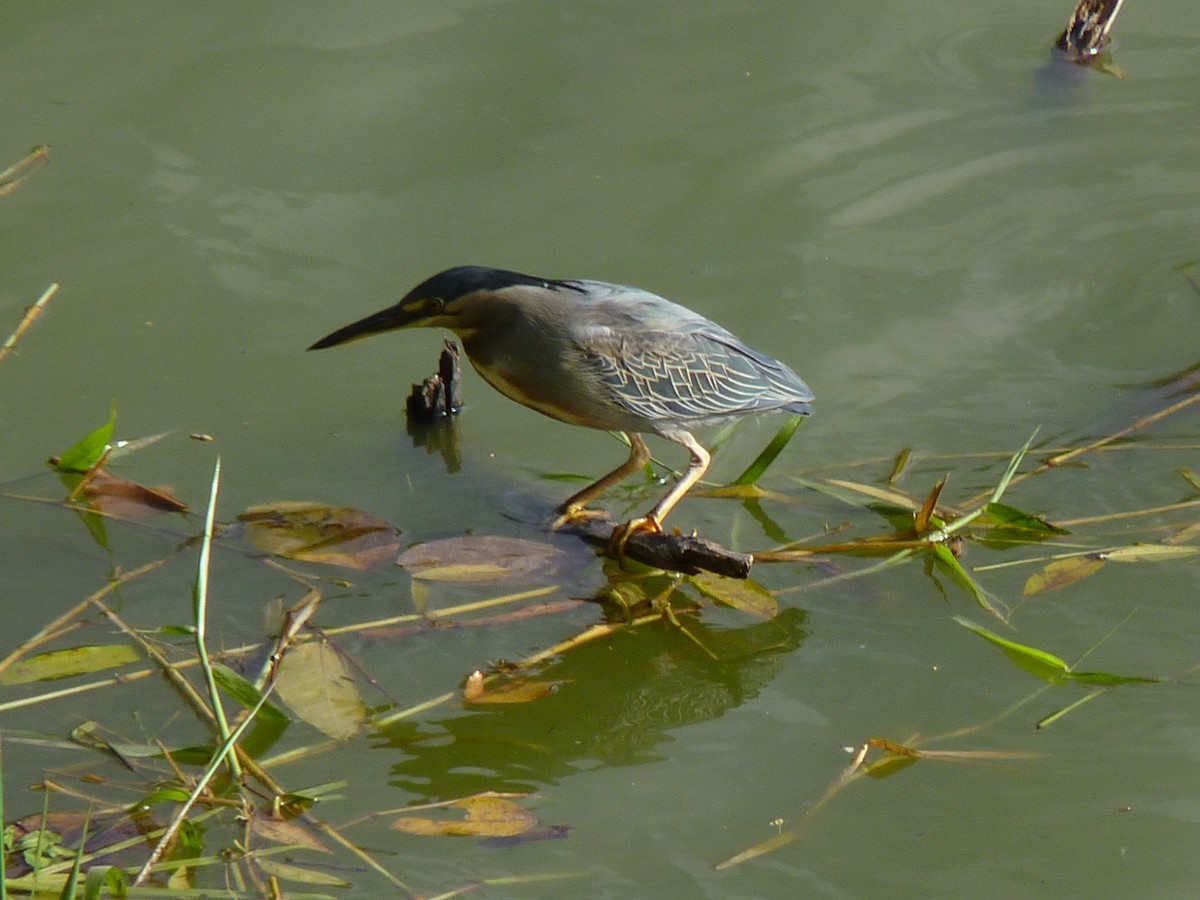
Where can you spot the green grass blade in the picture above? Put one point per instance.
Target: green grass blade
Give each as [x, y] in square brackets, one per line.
[1058, 714]
[68, 891]
[1045, 666]
[763, 461]
[947, 559]
[200, 611]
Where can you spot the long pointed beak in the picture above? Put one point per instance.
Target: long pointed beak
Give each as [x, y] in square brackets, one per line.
[389, 319]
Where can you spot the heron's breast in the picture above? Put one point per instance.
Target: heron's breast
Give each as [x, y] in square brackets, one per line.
[544, 383]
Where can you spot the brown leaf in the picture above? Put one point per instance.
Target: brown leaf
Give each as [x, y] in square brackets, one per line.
[925, 513]
[317, 533]
[480, 558]
[509, 691]
[121, 497]
[1062, 572]
[486, 817]
[284, 831]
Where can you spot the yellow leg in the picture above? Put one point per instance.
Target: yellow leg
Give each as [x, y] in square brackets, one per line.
[653, 520]
[573, 506]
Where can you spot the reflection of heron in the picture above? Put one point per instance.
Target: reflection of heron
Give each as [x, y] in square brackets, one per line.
[600, 355]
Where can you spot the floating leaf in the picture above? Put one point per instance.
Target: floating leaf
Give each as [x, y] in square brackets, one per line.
[486, 817]
[302, 874]
[317, 533]
[121, 497]
[71, 661]
[1045, 666]
[1049, 667]
[888, 765]
[517, 691]
[1011, 517]
[463, 572]
[314, 682]
[741, 594]
[1062, 572]
[1148, 553]
[885, 495]
[88, 451]
[480, 558]
[284, 831]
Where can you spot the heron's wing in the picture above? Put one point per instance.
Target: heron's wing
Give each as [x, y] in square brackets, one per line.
[670, 376]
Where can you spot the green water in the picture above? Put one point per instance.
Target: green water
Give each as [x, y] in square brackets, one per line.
[951, 245]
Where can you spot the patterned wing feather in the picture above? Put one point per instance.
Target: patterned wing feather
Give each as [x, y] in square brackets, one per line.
[671, 377]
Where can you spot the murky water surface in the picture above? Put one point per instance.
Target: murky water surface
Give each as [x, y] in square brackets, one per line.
[952, 242]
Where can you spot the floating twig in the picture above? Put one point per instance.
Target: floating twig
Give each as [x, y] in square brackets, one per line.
[27, 320]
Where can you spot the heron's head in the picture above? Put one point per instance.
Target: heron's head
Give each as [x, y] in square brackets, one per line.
[465, 299]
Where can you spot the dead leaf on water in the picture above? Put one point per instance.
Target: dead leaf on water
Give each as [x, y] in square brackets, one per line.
[290, 871]
[486, 817]
[315, 684]
[894, 497]
[121, 497]
[313, 532]
[517, 691]
[741, 594]
[1148, 553]
[484, 557]
[1062, 572]
[278, 830]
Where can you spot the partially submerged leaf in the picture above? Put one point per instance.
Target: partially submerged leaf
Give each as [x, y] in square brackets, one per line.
[1011, 517]
[279, 830]
[1062, 572]
[1148, 553]
[463, 572]
[1049, 667]
[86, 453]
[121, 497]
[314, 682]
[313, 532]
[483, 557]
[516, 691]
[741, 594]
[289, 871]
[1045, 666]
[486, 817]
[70, 661]
[885, 495]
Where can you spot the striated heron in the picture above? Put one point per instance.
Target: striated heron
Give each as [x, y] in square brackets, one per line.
[601, 355]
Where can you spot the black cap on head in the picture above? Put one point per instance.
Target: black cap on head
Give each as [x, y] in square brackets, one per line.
[463, 280]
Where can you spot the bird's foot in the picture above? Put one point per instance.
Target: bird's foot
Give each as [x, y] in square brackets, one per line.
[622, 533]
